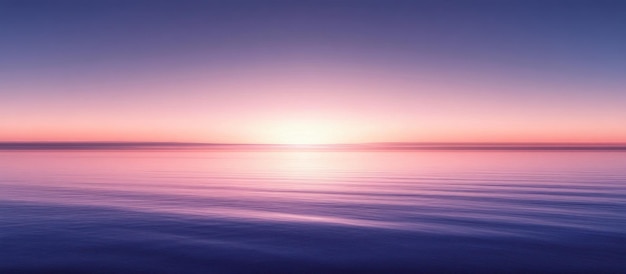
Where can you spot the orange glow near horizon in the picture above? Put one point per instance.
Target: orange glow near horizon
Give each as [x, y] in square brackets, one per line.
[327, 103]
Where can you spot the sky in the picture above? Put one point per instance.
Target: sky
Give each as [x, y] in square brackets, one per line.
[313, 71]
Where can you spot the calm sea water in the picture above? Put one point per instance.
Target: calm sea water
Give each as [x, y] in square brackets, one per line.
[312, 212]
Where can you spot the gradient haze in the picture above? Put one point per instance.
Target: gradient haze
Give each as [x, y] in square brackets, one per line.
[353, 71]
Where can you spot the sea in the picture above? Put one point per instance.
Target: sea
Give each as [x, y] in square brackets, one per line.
[241, 210]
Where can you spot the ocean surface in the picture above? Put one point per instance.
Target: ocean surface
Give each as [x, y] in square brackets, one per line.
[212, 211]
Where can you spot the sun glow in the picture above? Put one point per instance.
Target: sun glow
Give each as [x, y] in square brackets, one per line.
[305, 133]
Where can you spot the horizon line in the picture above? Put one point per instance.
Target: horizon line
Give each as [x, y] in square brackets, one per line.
[155, 145]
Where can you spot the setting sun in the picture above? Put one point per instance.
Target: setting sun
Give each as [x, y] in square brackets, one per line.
[304, 133]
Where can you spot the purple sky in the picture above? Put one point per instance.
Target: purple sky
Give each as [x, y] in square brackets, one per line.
[313, 71]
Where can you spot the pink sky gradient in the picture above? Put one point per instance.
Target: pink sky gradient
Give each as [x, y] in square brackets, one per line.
[333, 102]
[341, 72]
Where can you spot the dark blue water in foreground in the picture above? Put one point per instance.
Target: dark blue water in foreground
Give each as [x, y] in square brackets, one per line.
[312, 212]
